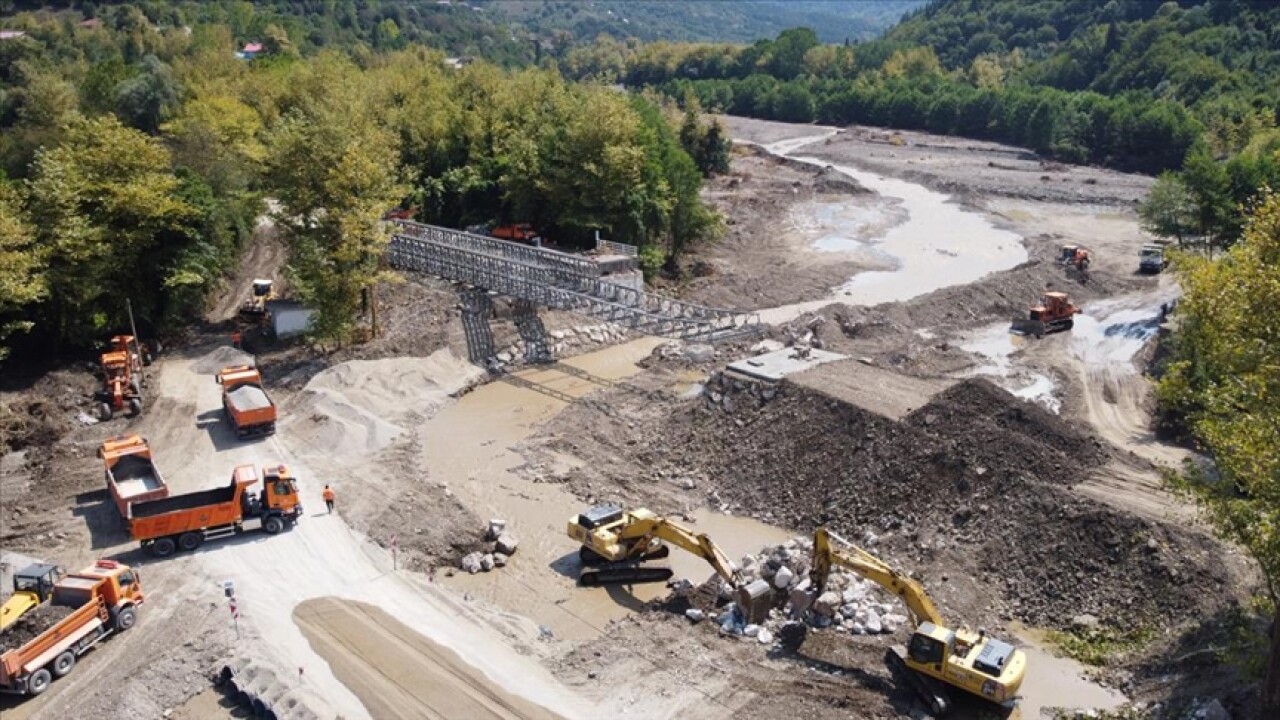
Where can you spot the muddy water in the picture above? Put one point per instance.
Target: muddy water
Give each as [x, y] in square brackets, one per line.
[1110, 333]
[1056, 682]
[470, 445]
[940, 244]
[997, 346]
[736, 536]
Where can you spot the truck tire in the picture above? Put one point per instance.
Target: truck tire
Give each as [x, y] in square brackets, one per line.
[135, 386]
[63, 663]
[39, 681]
[125, 619]
[104, 412]
[163, 547]
[190, 541]
[273, 525]
[135, 407]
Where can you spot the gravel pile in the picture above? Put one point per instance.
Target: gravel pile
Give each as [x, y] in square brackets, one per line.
[248, 397]
[31, 625]
[975, 486]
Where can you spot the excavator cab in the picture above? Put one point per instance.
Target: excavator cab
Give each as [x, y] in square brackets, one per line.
[32, 586]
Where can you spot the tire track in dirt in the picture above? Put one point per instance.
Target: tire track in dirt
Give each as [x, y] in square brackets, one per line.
[398, 673]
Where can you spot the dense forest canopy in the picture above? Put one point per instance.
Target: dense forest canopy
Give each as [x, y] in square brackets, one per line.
[145, 149]
[1132, 84]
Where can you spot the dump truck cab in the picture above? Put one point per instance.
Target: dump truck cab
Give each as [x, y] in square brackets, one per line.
[1151, 258]
[119, 585]
[278, 496]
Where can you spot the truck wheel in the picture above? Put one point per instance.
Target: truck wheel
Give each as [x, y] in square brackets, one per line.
[104, 412]
[63, 663]
[135, 407]
[163, 547]
[273, 525]
[125, 619]
[190, 541]
[133, 385]
[39, 681]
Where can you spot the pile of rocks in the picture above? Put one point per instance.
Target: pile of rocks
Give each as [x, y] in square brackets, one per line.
[500, 545]
[559, 341]
[848, 603]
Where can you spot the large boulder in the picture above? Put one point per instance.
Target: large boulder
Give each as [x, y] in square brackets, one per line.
[506, 544]
[827, 604]
[471, 562]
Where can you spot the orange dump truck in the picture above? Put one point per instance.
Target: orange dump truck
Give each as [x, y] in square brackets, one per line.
[245, 403]
[184, 522]
[102, 601]
[131, 474]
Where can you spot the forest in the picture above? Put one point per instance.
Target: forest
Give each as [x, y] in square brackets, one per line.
[138, 151]
[1190, 87]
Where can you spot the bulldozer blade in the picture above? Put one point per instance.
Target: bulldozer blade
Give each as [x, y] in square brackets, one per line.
[1026, 326]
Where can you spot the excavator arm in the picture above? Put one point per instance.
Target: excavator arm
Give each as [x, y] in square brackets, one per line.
[847, 555]
[685, 539]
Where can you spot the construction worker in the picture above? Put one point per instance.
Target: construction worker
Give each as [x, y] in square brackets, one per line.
[328, 498]
[235, 339]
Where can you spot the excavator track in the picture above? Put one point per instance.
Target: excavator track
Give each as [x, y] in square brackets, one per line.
[591, 558]
[932, 692]
[623, 574]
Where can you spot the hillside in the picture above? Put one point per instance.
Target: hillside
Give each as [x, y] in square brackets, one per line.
[1194, 51]
[743, 22]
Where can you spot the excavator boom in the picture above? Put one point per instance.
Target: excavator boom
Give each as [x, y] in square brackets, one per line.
[872, 568]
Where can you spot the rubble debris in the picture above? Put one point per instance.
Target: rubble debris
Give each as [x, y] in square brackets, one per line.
[30, 625]
[471, 562]
[496, 528]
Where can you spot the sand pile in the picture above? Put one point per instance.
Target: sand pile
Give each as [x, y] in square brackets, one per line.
[358, 406]
[248, 397]
[221, 357]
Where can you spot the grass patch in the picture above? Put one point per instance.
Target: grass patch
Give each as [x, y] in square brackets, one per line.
[1100, 646]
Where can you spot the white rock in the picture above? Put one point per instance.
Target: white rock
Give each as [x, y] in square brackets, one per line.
[857, 629]
[766, 346]
[506, 544]
[496, 528]
[782, 579]
[827, 603]
[699, 353]
[751, 630]
[848, 610]
[471, 563]
[873, 625]
[765, 637]
[695, 614]
[486, 562]
[504, 357]
[1214, 711]
[500, 559]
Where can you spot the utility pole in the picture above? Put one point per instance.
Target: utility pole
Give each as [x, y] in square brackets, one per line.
[137, 345]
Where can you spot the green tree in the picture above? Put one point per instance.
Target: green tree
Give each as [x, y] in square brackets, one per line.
[1207, 182]
[22, 279]
[148, 98]
[334, 170]
[1168, 210]
[105, 198]
[1225, 382]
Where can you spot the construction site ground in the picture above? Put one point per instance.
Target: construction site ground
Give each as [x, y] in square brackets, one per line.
[1022, 514]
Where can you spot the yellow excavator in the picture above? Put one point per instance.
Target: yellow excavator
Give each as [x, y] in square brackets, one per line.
[616, 543]
[935, 658]
[32, 586]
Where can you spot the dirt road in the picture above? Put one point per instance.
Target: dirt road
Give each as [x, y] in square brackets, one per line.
[398, 673]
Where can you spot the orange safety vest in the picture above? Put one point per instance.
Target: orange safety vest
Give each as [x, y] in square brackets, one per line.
[328, 495]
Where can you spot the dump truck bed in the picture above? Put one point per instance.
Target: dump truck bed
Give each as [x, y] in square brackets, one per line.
[187, 501]
[185, 513]
[56, 638]
[247, 398]
[133, 479]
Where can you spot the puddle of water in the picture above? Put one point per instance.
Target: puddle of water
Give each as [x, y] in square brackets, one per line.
[1109, 333]
[736, 536]
[1056, 682]
[940, 244]
[998, 346]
